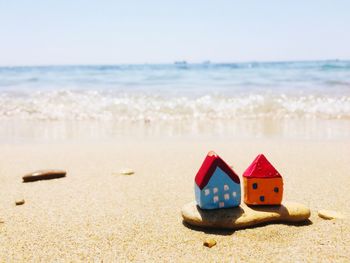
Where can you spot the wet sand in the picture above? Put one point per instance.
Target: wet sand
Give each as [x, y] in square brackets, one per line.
[95, 214]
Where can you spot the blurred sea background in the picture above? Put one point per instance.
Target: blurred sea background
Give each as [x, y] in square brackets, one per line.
[290, 99]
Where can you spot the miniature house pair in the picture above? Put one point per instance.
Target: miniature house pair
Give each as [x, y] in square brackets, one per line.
[218, 186]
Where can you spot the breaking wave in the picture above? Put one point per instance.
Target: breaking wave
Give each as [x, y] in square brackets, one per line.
[97, 105]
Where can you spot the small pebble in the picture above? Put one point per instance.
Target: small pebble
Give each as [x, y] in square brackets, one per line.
[329, 214]
[20, 202]
[126, 172]
[209, 243]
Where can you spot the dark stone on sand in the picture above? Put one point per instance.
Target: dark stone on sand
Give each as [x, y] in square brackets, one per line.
[20, 202]
[43, 175]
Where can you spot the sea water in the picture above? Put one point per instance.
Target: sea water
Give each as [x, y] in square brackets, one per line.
[187, 93]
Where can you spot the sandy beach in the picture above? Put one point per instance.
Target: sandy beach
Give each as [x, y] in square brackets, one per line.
[115, 105]
[95, 214]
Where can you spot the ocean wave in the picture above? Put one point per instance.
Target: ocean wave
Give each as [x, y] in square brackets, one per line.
[95, 105]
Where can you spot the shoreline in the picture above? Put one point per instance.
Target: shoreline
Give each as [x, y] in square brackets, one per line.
[23, 131]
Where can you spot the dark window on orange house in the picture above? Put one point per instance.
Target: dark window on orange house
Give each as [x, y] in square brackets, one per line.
[255, 186]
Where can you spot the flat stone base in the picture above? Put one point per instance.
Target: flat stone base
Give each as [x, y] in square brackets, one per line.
[244, 216]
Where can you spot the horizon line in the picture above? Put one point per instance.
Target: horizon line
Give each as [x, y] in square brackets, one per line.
[183, 62]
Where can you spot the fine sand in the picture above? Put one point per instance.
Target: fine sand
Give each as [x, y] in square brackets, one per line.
[94, 214]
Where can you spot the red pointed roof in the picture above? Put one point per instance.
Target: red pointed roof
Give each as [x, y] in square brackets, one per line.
[208, 167]
[261, 168]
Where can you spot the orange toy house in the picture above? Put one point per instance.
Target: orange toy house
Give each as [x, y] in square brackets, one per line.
[263, 184]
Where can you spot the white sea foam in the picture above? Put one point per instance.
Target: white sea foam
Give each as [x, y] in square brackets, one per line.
[98, 105]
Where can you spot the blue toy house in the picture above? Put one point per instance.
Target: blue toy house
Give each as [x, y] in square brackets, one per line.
[216, 184]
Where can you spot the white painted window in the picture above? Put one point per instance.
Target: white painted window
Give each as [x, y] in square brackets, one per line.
[221, 204]
[234, 194]
[227, 196]
[216, 199]
[207, 191]
[215, 190]
[226, 187]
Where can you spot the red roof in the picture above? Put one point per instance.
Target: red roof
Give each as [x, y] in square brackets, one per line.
[208, 167]
[261, 168]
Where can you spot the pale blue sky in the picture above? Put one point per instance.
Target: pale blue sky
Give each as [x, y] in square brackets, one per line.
[158, 31]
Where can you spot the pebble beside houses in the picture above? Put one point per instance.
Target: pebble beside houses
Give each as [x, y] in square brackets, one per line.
[216, 184]
[263, 184]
